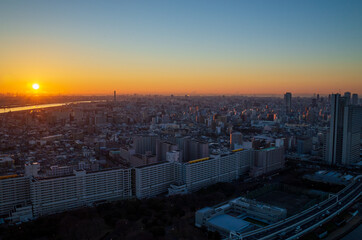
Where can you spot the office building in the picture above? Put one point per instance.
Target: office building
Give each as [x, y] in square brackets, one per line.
[347, 97]
[351, 135]
[288, 102]
[335, 140]
[343, 143]
[355, 99]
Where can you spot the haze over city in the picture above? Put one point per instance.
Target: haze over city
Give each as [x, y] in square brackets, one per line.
[180, 47]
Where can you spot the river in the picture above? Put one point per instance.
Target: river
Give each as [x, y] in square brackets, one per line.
[16, 109]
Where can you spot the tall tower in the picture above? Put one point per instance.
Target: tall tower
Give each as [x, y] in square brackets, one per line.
[114, 96]
[355, 99]
[351, 134]
[343, 142]
[347, 96]
[334, 148]
[288, 102]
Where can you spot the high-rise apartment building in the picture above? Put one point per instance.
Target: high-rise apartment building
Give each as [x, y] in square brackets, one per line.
[52, 195]
[145, 143]
[14, 191]
[343, 142]
[335, 140]
[355, 99]
[151, 180]
[347, 96]
[351, 134]
[162, 147]
[206, 171]
[198, 150]
[191, 149]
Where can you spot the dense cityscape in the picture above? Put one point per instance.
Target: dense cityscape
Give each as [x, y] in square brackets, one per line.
[89, 154]
[180, 120]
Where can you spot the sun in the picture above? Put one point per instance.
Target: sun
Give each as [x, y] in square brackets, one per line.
[35, 86]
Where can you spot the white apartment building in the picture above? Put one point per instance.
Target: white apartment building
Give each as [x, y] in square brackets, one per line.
[154, 179]
[52, 195]
[56, 194]
[203, 172]
[14, 191]
[225, 168]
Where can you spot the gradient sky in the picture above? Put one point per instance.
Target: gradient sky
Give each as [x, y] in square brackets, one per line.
[179, 47]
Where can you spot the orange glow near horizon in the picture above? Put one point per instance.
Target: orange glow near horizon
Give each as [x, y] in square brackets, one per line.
[186, 81]
[58, 71]
[69, 70]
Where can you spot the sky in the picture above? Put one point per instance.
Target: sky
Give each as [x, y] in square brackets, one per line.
[181, 47]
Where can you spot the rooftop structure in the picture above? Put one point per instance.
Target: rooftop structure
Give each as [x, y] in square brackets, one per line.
[232, 216]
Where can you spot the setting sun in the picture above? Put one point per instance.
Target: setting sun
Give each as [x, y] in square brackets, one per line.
[35, 86]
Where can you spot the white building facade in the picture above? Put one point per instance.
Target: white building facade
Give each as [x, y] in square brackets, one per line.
[52, 195]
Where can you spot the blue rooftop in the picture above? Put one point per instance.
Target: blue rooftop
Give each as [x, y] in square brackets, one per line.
[229, 223]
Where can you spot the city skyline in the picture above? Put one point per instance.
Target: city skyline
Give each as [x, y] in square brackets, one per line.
[203, 48]
[159, 120]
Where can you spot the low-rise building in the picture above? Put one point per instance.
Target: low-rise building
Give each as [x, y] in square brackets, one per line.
[238, 215]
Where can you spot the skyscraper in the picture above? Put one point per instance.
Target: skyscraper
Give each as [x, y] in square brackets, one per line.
[344, 134]
[334, 149]
[351, 134]
[355, 99]
[288, 102]
[115, 96]
[347, 96]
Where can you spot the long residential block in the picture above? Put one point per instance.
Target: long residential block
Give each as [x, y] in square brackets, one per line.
[52, 195]
[14, 191]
